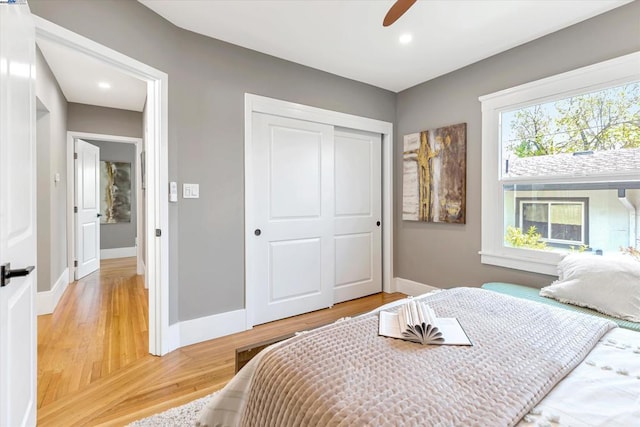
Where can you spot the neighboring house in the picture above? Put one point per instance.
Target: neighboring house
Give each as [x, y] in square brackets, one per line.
[603, 216]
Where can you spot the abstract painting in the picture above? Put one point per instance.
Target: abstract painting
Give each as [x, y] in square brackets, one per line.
[115, 192]
[434, 176]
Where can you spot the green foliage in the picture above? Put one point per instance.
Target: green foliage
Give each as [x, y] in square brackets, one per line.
[633, 251]
[604, 120]
[579, 249]
[531, 240]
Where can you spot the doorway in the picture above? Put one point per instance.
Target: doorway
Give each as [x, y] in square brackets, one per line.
[138, 212]
[156, 166]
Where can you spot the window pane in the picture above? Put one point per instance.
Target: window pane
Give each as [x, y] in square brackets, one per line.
[566, 222]
[536, 215]
[580, 215]
[593, 133]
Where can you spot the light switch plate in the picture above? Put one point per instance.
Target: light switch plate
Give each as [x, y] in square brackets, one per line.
[190, 191]
[173, 192]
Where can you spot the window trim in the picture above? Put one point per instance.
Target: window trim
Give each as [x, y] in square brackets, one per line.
[614, 72]
[583, 201]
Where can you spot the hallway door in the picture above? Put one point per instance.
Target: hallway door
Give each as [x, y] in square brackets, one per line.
[87, 207]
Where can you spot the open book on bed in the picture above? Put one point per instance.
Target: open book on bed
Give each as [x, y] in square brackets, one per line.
[415, 321]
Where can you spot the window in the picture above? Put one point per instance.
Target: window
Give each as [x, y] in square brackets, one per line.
[560, 222]
[561, 166]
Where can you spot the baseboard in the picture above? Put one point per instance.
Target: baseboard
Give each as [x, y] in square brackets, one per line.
[412, 288]
[117, 253]
[47, 301]
[174, 337]
[207, 328]
[141, 270]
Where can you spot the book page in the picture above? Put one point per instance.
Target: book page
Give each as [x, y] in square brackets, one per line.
[389, 326]
[452, 331]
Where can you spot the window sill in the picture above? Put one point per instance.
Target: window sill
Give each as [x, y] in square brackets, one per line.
[535, 265]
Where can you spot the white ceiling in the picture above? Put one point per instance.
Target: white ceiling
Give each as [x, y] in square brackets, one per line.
[346, 37]
[343, 37]
[78, 75]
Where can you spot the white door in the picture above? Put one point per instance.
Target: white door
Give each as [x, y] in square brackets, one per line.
[17, 216]
[358, 219]
[87, 176]
[290, 254]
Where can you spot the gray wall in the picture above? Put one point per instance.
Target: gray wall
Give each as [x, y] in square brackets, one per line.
[207, 82]
[447, 255]
[107, 121]
[51, 140]
[121, 234]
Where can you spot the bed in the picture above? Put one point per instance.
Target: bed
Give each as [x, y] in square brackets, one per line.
[533, 294]
[530, 364]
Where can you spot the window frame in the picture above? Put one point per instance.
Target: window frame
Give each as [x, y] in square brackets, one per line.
[614, 72]
[559, 243]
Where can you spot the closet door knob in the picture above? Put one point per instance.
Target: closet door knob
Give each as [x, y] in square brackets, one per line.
[257, 232]
[378, 223]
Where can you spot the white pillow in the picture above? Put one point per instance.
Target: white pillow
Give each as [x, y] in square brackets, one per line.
[609, 284]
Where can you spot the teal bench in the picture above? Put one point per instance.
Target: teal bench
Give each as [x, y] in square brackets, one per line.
[532, 294]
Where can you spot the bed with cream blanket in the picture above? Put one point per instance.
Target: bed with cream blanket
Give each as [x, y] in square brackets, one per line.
[344, 374]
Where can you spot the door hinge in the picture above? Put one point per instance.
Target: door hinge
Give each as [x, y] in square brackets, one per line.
[158, 232]
[75, 263]
[75, 156]
[75, 209]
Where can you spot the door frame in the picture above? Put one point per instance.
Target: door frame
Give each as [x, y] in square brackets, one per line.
[261, 104]
[71, 242]
[156, 158]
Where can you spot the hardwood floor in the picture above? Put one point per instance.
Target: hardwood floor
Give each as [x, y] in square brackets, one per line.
[99, 326]
[93, 365]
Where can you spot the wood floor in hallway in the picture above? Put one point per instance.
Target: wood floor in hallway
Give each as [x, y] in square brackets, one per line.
[99, 326]
[94, 368]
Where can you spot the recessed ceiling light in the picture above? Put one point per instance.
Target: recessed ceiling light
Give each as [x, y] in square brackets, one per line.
[104, 85]
[405, 38]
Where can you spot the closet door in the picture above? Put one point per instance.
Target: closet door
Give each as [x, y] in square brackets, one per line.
[290, 251]
[357, 214]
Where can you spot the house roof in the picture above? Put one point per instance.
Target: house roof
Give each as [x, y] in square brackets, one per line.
[625, 160]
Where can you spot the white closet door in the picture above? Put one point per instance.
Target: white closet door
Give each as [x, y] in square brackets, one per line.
[357, 215]
[290, 254]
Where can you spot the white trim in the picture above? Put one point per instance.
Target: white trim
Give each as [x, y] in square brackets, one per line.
[157, 207]
[118, 252]
[614, 72]
[143, 272]
[47, 301]
[261, 104]
[411, 288]
[210, 327]
[71, 137]
[173, 336]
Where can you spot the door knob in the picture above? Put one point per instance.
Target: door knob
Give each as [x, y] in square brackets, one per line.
[257, 232]
[6, 273]
[99, 215]
[378, 223]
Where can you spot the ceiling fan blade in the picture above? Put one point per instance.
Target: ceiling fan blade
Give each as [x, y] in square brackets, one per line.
[397, 10]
